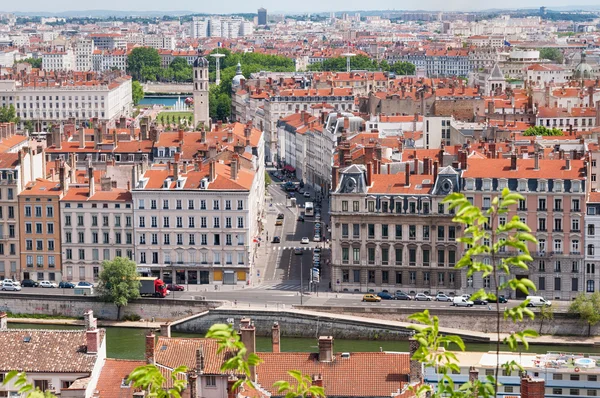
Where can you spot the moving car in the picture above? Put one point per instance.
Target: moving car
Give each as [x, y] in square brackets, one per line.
[48, 284]
[442, 297]
[371, 298]
[66, 285]
[422, 297]
[385, 296]
[305, 241]
[280, 216]
[307, 194]
[479, 301]
[298, 250]
[538, 301]
[278, 223]
[403, 296]
[11, 286]
[175, 287]
[462, 302]
[29, 283]
[276, 239]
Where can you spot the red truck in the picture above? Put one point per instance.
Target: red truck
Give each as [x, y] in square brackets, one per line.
[150, 286]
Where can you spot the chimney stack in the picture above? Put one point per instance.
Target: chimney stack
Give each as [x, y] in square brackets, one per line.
[532, 388]
[369, 174]
[165, 329]
[536, 161]
[91, 182]
[416, 367]
[567, 163]
[81, 137]
[326, 349]
[426, 166]
[435, 171]
[212, 171]
[61, 176]
[513, 161]
[276, 337]
[200, 360]
[234, 168]
[248, 332]
[406, 174]
[149, 353]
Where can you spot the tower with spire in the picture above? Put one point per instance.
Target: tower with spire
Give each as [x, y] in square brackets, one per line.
[200, 91]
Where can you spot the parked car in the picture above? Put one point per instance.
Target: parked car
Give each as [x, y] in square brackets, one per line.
[371, 298]
[276, 239]
[11, 286]
[175, 287]
[479, 301]
[298, 250]
[462, 302]
[305, 241]
[403, 296]
[467, 296]
[48, 284]
[300, 218]
[442, 297]
[317, 238]
[84, 284]
[317, 250]
[501, 299]
[66, 285]
[385, 296]
[422, 297]
[29, 283]
[538, 301]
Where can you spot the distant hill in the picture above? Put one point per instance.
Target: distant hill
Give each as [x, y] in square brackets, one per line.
[102, 13]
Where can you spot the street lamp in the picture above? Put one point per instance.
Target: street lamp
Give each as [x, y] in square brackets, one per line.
[301, 273]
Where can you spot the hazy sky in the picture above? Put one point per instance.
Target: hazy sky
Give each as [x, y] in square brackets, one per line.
[232, 6]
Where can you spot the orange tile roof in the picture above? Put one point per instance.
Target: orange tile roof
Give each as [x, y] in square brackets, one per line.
[111, 376]
[42, 187]
[81, 194]
[373, 374]
[9, 160]
[420, 184]
[563, 112]
[174, 352]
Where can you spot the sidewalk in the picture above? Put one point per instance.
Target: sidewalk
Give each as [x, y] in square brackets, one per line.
[78, 322]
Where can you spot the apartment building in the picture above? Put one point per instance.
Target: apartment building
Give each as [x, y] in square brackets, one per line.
[591, 268]
[197, 224]
[106, 60]
[39, 229]
[97, 225]
[391, 231]
[568, 118]
[16, 170]
[109, 41]
[84, 49]
[58, 60]
[554, 208]
[58, 97]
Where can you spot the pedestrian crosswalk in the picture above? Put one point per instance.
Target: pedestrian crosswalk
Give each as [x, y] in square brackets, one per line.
[277, 204]
[279, 285]
[279, 248]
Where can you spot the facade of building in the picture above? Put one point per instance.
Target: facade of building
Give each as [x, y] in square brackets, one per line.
[58, 60]
[39, 229]
[200, 92]
[591, 268]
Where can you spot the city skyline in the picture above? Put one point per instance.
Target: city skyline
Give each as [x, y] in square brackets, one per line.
[310, 6]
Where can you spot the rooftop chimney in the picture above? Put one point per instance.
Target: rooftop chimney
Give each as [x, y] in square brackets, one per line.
[326, 349]
[532, 388]
[567, 164]
[416, 367]
[212, 171]
[276, 337]
[165, 329]
[234, 168]
[435, 171]
[369, 174]
[513, 161]
[180, 135]
[81, 137]
[249, 340]
[200, 359]
[92, 338]
[536, 161]
[91, 182]
[149, 353]
[406, 174]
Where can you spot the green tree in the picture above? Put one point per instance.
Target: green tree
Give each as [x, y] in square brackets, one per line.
[137, 92]
[142, 62]
[268, 180]
[118, 282]
[34, 62]
[403, 68]
[180, 70]
[587, 307]
[28, 125]
[546, 314]
[544, 131]
[8, 114]
[552, 53]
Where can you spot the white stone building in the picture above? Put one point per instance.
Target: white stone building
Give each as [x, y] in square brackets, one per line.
[58, 60]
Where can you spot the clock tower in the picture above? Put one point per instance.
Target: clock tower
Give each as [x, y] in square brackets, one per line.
[200, 91]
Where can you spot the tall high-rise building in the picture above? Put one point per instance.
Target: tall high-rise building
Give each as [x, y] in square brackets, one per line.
[262, 16]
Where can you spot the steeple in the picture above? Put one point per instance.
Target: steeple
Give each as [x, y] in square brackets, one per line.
[200, 90]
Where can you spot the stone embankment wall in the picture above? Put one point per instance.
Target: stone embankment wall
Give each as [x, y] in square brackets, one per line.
[476, 319]
[160, 309]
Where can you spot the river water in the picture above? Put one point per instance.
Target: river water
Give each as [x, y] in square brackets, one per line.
[128, 343]
[162, 100]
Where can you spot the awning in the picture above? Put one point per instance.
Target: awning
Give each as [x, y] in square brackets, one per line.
[289, 168]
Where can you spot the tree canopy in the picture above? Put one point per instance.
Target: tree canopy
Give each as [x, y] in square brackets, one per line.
[143, 63]
[544, 131]
[587, 307]
[137, 92]
[551, 53]
[34, 62]
[118, 282]
[8, 114]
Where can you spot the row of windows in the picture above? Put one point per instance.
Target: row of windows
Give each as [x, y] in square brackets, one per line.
[191, 222]
[117, 221]
[203, 258]
[96, 254]
[191, 204]
[95, 205]
[191, 239]
[39, 211]
[385, 231]
[400, 277]
[386, 206]
[39, 261]
[352, 254]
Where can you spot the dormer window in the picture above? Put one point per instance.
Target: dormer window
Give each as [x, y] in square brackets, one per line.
[522, 185]
[542, 186]
[558, 185]
[371, 206]
[166, 184]
[179, 184]
[470, 184]
[487, 184]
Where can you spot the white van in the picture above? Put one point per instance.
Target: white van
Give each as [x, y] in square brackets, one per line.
[538, 301]
[461, 302]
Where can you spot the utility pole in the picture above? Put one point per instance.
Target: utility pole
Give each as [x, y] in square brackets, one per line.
[301, 269]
